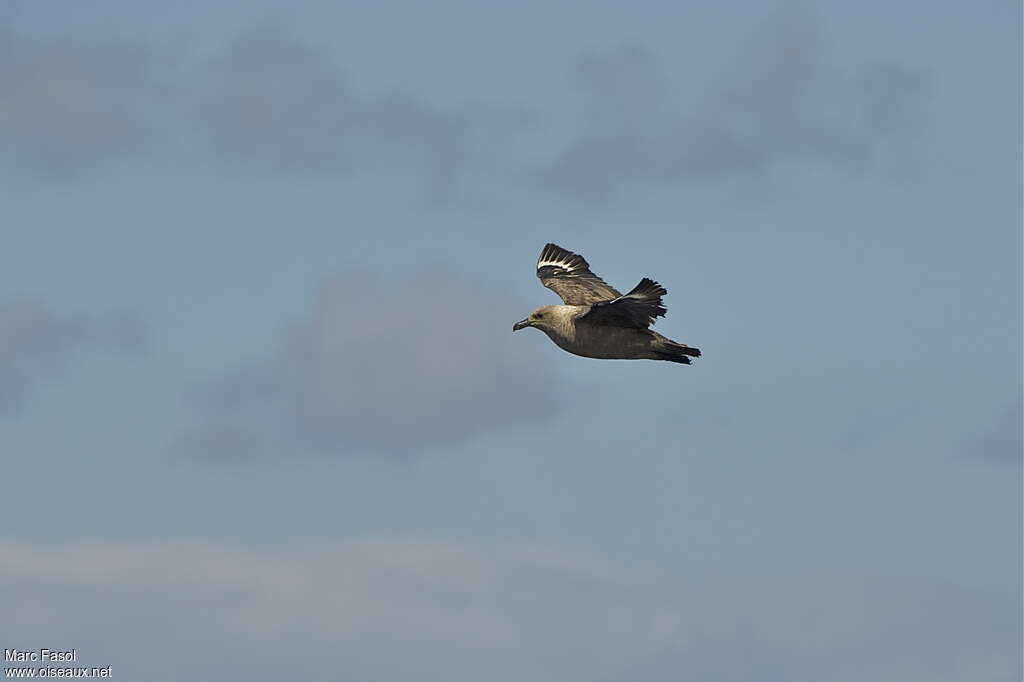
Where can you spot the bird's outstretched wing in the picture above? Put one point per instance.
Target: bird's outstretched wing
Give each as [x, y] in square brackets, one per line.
[636, 309]
[568, 275]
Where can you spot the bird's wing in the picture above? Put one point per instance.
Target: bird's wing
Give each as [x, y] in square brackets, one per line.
[636, 309]
[568, 275]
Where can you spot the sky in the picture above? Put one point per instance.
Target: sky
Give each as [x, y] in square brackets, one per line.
[263, 416]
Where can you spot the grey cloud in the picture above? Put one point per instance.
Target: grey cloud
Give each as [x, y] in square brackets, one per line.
[71, 106]
[380, 366]
[284, 105]
[844, 631]
[874, 424]
[893, 97]
[372, 609]
[278, 103]
[268, 104]
[435, 610]
[780, 101]
[1003, 441]
[38, 345]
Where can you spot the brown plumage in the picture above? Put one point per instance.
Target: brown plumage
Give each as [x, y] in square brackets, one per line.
[596, 321]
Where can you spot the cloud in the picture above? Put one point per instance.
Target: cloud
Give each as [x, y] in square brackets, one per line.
[278, 103]
[843, 631]
[272, 104]
[38, 345]
[69, 107]
[402, 608]
[778, 102]
[268, 104]
[372, 609]
[275, 103]
[1004, 440]
[380, 366]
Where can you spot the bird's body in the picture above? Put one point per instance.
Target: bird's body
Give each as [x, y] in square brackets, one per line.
[596, 321]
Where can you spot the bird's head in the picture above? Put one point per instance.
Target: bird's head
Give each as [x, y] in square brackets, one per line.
[541, 318]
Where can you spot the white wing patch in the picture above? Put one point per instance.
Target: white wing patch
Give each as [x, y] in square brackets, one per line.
[554, 256]
[555, 263]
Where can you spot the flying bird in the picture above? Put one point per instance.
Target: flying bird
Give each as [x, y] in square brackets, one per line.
[596, 321]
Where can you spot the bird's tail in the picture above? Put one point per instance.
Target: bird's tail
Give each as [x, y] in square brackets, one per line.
[676, 352]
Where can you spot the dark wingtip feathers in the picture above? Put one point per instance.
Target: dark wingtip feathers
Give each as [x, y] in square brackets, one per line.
[647, 289]
[555, 261]
[649, 292]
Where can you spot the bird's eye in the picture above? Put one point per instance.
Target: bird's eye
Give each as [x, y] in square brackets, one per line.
[540, 316]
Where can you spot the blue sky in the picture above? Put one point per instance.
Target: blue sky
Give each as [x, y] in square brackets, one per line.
[260, 397]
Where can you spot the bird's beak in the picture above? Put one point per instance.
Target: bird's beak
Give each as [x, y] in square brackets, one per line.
[521, 324]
